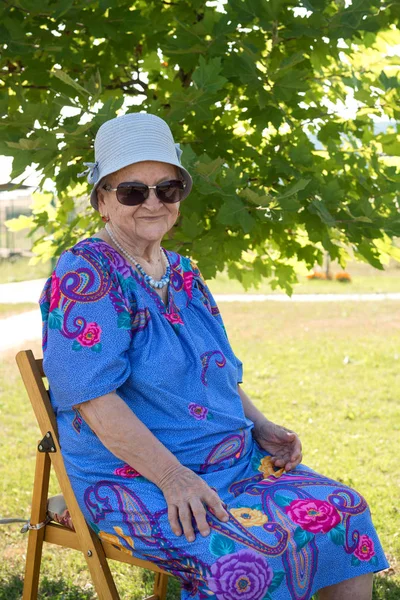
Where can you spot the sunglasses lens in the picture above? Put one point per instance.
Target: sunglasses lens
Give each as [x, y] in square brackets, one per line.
[131, 195]
[170, 191]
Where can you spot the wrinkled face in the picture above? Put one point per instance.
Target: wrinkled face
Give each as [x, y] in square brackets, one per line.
[148, 221]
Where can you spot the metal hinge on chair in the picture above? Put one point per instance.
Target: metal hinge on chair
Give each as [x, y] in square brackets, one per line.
[47, 444]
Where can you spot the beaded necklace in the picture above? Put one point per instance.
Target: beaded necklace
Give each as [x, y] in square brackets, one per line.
[155, 284]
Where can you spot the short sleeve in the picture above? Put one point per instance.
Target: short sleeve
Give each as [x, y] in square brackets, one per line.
[209, 301]
[86, 329]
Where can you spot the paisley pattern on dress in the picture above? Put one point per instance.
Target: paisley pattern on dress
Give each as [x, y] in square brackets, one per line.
[106, 274]
[220, 361]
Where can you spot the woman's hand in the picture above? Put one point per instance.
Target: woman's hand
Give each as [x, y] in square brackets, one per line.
[185, 493]
[284, 444]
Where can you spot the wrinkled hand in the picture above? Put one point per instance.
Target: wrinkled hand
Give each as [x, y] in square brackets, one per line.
[284, 444]
[185, 493]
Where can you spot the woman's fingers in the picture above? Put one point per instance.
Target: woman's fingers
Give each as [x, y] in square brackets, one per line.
[296, 450]
[199, 514]
[173, 519]
[215, 504]
[185, 516]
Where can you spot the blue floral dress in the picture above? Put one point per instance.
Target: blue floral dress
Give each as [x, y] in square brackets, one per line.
[105, 329]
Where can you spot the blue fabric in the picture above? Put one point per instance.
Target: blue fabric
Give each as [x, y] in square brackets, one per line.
[105, 329]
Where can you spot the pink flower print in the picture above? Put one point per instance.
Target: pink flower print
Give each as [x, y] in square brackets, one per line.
[316, 516]
[365, 549]
[173, 318]
[127, 471]
[55, 292]
[90, 336]
[197, 411]
[187, 282]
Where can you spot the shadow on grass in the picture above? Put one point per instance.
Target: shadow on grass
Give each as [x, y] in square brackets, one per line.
[56, 589]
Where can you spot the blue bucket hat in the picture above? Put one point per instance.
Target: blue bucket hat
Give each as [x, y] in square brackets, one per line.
[129, 139]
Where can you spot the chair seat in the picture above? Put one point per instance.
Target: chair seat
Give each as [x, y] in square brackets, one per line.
[58, 512]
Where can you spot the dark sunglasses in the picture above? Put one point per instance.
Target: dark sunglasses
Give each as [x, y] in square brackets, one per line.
[132, 193]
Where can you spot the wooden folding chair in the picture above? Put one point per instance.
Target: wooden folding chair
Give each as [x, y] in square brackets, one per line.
[95, 551]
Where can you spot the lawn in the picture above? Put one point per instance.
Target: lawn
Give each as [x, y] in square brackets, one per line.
[364, 279]
[18, 269]
[330, 371]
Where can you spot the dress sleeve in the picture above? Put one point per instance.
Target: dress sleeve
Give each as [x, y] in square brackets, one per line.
[210, 303]
[87, 316]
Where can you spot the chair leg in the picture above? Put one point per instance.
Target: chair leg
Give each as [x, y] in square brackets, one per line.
[35, 537]
[160, 587]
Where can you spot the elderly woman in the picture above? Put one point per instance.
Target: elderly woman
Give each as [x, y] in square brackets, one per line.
[167, 455]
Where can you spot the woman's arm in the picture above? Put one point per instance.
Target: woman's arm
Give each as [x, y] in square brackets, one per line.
[128, 438]
[252, 411]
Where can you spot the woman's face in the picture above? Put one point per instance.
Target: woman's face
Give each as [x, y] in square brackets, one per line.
[150, 220]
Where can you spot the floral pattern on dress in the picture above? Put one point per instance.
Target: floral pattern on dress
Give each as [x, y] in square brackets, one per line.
[364, 552]
[106, 274]
[199, 412]
[267, 468]
[249, 517]
[244, 575]
[316, 516]
[127, 472]
[284, 531]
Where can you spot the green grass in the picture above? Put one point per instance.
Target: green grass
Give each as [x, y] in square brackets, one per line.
[19, 269]
[8, 310]
[345, 410]
[365, 279]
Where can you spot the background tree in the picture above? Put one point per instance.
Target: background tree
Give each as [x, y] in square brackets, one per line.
[242, 91]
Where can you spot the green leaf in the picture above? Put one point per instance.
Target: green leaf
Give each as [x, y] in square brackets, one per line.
[255, 198]
[276, 580]
[76, 346]
[20, 223]
[338, 535]
[96, 348]
[246, 221]
[319, 208]
[56, 318]
[293, 189]
[25, 144]
[124, 320]
[282, 500]
[374, 561]
[209, 168]
[221, 545]
[302, 538]
[44, 309]
[65, 78]
[191, 225]
[354, 561]
[207, 77]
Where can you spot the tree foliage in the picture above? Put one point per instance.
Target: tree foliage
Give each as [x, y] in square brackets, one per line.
[247, 93]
